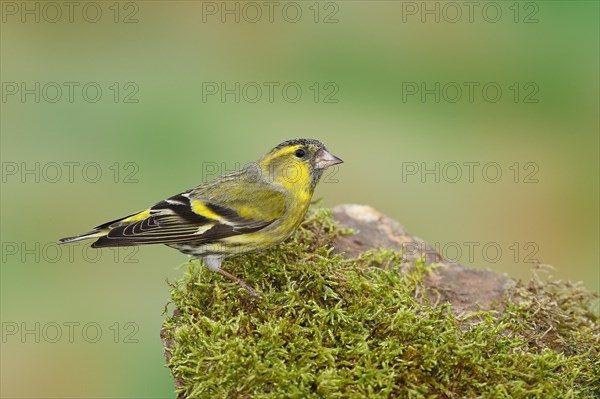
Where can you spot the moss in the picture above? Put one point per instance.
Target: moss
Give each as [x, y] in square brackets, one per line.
[334, 328]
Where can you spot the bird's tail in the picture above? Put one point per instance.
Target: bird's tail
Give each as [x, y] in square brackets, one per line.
[96, 233]
[103, 229]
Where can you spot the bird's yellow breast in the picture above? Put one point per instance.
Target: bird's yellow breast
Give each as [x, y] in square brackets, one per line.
[279, 230]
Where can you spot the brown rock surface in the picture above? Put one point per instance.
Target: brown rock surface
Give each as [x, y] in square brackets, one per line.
[464, 288]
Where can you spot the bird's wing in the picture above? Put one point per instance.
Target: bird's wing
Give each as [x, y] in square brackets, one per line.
[204, 214]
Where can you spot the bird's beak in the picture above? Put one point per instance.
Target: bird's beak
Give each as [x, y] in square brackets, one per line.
[326, 159]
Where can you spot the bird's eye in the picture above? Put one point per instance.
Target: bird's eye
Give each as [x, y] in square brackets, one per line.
[300, 153]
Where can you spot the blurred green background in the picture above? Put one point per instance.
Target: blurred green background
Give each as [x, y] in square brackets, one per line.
[367, 71]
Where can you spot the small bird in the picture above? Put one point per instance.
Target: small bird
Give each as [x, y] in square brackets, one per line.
[250, 209]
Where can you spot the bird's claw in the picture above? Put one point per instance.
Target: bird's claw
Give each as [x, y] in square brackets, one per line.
[256, 295]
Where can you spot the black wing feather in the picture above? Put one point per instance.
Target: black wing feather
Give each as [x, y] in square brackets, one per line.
[173, 221]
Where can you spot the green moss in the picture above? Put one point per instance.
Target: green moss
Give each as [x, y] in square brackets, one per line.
[332, 328]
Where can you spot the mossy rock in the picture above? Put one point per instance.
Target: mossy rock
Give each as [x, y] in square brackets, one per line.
[333, 326]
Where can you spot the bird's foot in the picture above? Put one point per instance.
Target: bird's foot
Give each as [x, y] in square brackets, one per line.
[241, 283]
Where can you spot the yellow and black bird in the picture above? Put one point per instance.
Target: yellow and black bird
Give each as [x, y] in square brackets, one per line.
[251, 209]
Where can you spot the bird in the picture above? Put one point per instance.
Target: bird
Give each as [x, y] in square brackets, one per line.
[247, 210]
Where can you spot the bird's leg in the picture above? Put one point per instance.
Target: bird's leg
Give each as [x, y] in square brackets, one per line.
[241, 283]
[214, 263]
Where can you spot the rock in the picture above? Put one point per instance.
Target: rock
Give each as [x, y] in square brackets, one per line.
[465, 289]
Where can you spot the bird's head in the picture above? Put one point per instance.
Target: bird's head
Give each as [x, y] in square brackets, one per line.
[298, 163]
